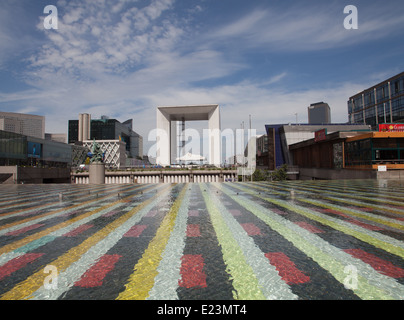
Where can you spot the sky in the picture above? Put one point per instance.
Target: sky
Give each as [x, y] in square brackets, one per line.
[269, 59]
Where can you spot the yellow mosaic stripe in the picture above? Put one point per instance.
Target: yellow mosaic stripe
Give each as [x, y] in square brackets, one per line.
[355, 214]
[354, 198]
[328, 262]
[359, 235]
[16, 244]
[26, 288]
[50, 204]
[344, 201]
[141, 281]
[12, 224]
[244, 281]
[347, 211]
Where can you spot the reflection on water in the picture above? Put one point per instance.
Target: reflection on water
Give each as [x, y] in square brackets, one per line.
[262, 240]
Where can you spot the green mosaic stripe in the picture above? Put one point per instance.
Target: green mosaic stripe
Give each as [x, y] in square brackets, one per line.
[244, 281]
[371, 285]
[271, 284]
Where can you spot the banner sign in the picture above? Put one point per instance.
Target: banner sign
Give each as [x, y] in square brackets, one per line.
[320, 135]
[34, 150]
[391, 127]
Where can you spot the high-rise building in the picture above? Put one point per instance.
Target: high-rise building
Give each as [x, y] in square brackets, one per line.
[25, 124]
[381, 103]
[319, 113]
[86, 129]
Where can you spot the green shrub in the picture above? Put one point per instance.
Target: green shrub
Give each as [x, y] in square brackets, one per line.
[280, 174]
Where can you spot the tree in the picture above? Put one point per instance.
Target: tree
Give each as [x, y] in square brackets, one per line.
[259, 175]
[280, 174]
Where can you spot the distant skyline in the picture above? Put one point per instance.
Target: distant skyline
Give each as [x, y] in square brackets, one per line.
[270, 59]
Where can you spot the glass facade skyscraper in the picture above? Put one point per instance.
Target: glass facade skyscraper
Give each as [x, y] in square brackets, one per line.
[382, 103]
[110, 129]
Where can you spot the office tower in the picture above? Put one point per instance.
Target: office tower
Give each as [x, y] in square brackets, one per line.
[319, 113]
[84, 126]
[86, 129]
[381, 103]
[25, 124]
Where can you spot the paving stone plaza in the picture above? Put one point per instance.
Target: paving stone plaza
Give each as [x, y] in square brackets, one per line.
[310, 240]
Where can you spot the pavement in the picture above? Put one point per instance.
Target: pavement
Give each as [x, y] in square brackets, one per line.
[311, 240]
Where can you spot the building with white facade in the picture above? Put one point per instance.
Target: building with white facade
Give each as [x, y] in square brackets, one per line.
[86, 128]
[115, 155]
[167, 135]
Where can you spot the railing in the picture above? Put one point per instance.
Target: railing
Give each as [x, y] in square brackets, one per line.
[160, 176]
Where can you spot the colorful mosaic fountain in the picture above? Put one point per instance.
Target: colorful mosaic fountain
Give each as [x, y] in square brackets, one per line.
[262, 241]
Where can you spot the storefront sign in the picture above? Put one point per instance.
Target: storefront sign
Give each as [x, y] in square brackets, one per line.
[391, 127]
[320, 135]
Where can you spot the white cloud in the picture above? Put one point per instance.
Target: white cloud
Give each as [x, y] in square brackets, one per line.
[100, 37]
[307, 26]
[123, 61]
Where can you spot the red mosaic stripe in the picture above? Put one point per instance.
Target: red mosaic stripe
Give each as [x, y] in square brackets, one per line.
[135, 231]
[23, 230]
[380, 265]
[286, 268]
[353, 221]
[68, 214]
[251, 229]
[95, 275]
[278, 211]
[78, 230]
[29, 214]
[192, 272]
[235, 212]
[339, 213]
[193, 213]
[18, 263]
[151, 213]
[110, 214]
[309, 227]
[365, 225]
[193, 230]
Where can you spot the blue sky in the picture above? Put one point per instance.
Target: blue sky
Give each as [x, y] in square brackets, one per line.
[267, 58]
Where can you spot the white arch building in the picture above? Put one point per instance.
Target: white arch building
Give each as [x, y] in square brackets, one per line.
[167, 130]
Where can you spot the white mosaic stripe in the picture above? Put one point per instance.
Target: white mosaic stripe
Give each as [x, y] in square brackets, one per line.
[349, 196]
[75, 271]
[357, 189]
[5, 257]
[50, 206]
[371, 284]
[357, 203]
[347, 224]
[272, 285]
[364, 213]
[166, 282]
